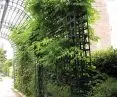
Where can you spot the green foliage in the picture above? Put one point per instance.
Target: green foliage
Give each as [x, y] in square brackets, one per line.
[4, 63]
[6, 67]
[46, 42]
[2, 55]
[49, 15]
[8, 63]
[2, 59]
[54, 90]
[106, 61]
[25, 72]
[106, 89]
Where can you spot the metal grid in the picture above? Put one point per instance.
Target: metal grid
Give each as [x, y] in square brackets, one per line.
[12, 14]
[77, 26]
[73, 27]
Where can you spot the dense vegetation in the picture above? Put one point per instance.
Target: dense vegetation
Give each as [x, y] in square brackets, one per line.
[5, 63]
[7, 68]
[45, 58]
[2, 59]
[46, 44]
[106, 63]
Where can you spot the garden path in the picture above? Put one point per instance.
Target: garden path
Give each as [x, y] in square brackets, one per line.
[6, 88]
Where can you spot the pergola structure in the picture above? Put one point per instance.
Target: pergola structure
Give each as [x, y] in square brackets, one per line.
[12, 14]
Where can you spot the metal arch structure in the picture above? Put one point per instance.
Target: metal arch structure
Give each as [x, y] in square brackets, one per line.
[12, 14]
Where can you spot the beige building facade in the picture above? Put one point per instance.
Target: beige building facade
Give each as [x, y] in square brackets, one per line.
[101, 27]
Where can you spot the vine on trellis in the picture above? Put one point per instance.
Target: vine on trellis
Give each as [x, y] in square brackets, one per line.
[59, 41]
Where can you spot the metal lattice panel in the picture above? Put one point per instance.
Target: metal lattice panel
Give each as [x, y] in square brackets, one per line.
[70, 70]
[12, 15]
[77, 26]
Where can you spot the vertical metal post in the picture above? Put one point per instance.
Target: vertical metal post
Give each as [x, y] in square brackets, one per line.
[39, 92]
[4, 13]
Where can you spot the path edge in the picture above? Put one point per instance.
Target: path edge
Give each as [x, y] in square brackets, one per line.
[18, 92]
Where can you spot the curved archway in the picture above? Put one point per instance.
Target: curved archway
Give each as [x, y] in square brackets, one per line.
[12, 15]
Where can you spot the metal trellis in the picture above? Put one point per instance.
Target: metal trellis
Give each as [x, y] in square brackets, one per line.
[12, 15]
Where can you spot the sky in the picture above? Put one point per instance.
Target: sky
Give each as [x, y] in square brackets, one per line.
[112, 11]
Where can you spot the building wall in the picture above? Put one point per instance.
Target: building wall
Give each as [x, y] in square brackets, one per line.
[101, 26]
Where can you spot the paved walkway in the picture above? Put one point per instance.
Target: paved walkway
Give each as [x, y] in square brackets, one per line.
[5, 88]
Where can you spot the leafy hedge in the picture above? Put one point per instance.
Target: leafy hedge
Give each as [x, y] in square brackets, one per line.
[106, 61]
[25, 72]
[107, 89]
[47, 44]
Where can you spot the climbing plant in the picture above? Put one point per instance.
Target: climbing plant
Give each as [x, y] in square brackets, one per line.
[55, 49]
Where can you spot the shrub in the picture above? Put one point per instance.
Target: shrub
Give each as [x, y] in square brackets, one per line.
[106, 89]
[106, 61]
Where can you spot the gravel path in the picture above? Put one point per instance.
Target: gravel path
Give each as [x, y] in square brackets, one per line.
[6, 88]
